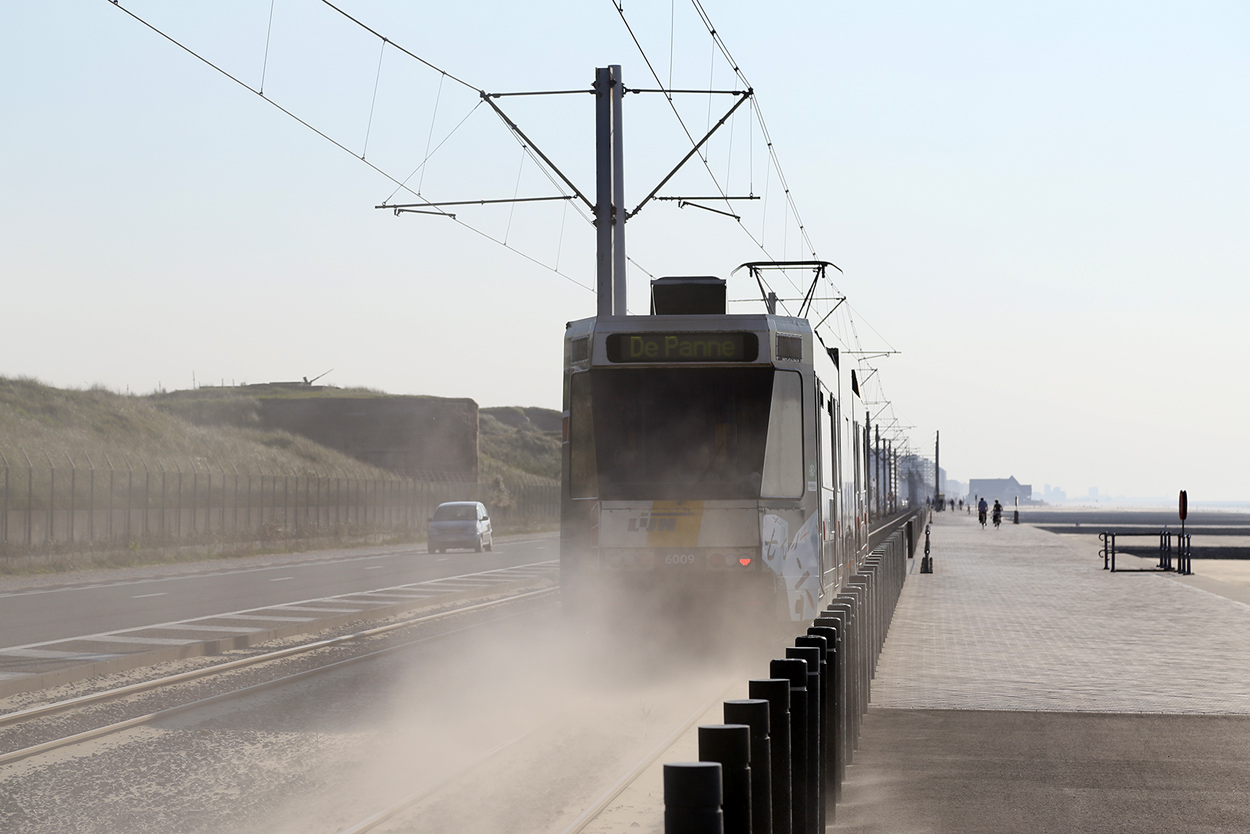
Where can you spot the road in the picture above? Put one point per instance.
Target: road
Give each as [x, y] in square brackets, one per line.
[39, 615]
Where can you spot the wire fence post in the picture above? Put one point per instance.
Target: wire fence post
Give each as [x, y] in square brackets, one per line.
[73, 484]
[110, 502]
[90, 499]
[4, 520]
[195, 503]
[208, 498]
[30, 500]
[164, 498]
[235, 513]
[130, 491]
[147, 496]
[51, 535]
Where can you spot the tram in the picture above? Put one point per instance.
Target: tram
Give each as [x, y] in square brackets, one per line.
[708, 459]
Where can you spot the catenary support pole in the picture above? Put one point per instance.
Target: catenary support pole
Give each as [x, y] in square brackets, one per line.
[618, 195]
[603, 190]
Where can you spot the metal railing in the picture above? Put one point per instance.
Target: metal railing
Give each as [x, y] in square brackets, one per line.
[1183, 551]
[73, 507]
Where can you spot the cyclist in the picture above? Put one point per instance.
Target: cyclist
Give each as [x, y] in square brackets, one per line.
[998, 513]
[982, 508]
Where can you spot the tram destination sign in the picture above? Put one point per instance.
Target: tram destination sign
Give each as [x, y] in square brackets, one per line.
[732, 346]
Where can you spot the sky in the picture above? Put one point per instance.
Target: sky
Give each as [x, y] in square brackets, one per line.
[1039, 211]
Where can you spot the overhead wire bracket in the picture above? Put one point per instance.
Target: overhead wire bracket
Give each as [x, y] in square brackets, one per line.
[487, 97]
[743, 96]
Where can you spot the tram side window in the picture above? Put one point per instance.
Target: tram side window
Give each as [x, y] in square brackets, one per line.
[783, 454]
[583, 480]
[827, 453]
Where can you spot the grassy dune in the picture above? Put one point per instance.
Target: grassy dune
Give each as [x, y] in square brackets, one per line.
[98, 428]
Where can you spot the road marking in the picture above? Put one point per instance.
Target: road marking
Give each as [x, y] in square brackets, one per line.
[145, 596]
[375, 567]
[246, 614]
[442, 559]
[146, 641]
[261, 617]
[239, 629]
[282, 579]
[52, 654]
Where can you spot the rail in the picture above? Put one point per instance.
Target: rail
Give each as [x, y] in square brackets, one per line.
[802, 722]
[1183, 552]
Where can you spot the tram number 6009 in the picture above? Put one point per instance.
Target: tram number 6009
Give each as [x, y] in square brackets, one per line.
[679, 559]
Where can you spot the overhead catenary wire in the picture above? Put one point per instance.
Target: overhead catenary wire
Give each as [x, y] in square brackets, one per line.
[264, 69]
[618, 5]
[401, 185]
[377, 79]
[438, 97]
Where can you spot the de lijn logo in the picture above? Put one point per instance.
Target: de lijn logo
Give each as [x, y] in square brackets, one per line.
[657, 521]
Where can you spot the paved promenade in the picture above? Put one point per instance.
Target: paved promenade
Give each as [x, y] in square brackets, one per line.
[1024, 689]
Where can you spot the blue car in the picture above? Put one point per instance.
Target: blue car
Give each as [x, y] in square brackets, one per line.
[460, 524]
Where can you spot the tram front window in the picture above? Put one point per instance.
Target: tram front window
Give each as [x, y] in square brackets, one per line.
[680, 433]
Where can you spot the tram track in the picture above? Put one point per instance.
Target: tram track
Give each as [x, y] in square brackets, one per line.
[60, 709]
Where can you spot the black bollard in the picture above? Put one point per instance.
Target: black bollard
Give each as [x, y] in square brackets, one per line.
[824, 791]
[777, 692]
[795, 671]
[833, 715]
[692, 798]
[730, 745]
[853, 597]
[754, 713]
[844, 612]
[812, 656]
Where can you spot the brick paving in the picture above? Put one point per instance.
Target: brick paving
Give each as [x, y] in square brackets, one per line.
[1022, 619]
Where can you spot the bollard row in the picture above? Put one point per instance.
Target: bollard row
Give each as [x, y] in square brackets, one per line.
[777, 764]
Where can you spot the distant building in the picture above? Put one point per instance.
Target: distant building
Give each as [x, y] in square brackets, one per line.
[1006, 490]
[1053, 495]
[915, 479]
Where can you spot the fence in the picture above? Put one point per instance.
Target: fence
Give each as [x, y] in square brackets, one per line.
[74, 507]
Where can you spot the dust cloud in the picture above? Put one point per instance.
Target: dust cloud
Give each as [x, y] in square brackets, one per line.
[573, 700]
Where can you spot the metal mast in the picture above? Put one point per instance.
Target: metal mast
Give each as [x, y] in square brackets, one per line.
[609, 193]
